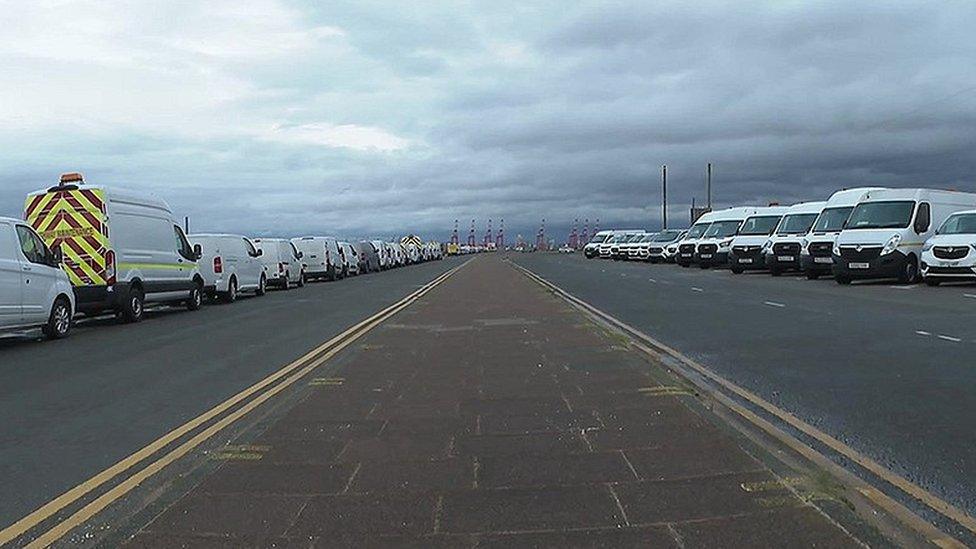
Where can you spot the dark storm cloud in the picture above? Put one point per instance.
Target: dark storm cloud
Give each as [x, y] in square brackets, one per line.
[382, 118]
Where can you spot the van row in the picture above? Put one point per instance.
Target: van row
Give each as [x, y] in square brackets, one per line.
[91, 249]
[856, 234]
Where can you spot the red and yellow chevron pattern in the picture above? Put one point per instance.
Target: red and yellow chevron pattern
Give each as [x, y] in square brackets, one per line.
[73, 220]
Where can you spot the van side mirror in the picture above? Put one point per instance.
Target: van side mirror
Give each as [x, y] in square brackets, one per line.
[259, 253]
[301, 255]
[56, 256]
[197, 251]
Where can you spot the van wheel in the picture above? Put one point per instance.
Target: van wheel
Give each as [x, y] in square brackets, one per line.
[59, 323]
[262, 286]
[196, 298]
[736, 270]
[812, 275]
[301, 281]
[134, 306]
[286, 283]
[909, 274]
[842, 280]
[231, 295]
[932, 281]
[775, 271]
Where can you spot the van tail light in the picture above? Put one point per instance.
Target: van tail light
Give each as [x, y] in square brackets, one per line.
[218, 265]
[110, 267]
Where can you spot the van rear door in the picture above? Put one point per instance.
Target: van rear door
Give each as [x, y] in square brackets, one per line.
[73, 220]
[11, 284]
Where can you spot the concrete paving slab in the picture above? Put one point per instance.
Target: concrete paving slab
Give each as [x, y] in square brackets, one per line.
[527, 428]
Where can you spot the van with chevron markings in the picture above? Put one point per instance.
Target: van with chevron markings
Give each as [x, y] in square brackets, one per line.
[121, 249]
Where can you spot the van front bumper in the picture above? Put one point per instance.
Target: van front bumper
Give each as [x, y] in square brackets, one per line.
[717, 259]
[815, 264]
[783, 262]
[749, 261]
[886, 266]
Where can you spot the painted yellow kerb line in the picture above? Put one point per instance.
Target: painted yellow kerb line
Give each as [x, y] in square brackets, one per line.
[339, 342]
[931, 500]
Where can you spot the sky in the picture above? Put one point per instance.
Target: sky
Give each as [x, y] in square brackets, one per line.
[365, 118]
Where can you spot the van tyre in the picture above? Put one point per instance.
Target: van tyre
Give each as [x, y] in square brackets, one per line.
[909, 274]
[59, 323]
[736, 270]
[775, 271]
[843, 280]
[231, 295]
[196, 297]
[812, 275]
[932, 282]
[262, 286]
[286, 282]
[301, 281]
[134, 306]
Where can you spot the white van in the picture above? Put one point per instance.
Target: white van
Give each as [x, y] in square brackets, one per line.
[282, 262]
[748, 248]
[713, 247]
[320, 255]
[617, 237]
[782, 250]
[816, 251]
[884, 235]
[121, 249]
[230, 264]
[592, 248]
[34, 291]
[950, 254]
[657, 249]
[383, 251]
[686, 246]
[351, 256]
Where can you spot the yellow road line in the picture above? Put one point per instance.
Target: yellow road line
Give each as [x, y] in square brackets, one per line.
[59, 503]
[916, 491]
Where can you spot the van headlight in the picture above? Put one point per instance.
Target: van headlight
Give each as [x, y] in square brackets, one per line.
[725, 243]
[836, 249]
[891, 245]
[766, 246]
[804, 246]
[927, 246]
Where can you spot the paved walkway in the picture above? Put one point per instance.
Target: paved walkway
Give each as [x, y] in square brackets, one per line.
[490, 414]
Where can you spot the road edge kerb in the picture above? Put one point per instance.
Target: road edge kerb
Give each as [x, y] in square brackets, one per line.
[704, 379]
[304, 364]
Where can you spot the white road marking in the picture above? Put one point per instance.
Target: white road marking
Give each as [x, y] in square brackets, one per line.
[922, 333]
[652, 280]
[694, 289]
[902, 287]
[774, 304]
[949, 338]
[969, 295]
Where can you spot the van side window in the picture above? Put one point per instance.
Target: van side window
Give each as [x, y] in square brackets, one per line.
[34, 250]
[923, 218]
[251, 250]
[182, 245]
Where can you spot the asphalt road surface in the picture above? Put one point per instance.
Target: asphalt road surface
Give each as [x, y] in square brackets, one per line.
[888, 369]
[72, 408]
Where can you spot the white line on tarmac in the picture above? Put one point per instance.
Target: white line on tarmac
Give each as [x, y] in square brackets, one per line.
[949, 338]
[921, 333]
[694, 289]
[774, 304]
[969, 295]
[652, 280]
[902, 287]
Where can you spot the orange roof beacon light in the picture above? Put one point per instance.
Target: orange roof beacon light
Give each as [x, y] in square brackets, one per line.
[71, 177]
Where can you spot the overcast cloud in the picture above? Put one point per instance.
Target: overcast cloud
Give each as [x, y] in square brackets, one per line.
[360, 118]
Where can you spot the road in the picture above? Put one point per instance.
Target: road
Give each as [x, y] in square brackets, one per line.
[72, 408]
[888, 369]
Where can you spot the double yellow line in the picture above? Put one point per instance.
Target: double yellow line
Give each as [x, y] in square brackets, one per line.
[264, 390]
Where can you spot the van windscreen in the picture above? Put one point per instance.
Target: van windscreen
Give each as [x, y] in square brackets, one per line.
[760, 225]
[697, 230]
[797, 223]
[959, 224]
[722, 228]
[881, 215]
[832, 219]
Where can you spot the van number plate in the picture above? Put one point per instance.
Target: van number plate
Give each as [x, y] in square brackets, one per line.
[745, 260]
[706, 256]
[859, 265]
[786, 258]
[823, 260]
[685, 255]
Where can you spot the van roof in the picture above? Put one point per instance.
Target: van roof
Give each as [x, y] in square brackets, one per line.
[114, 193]
[936, 195]
[732, 214]
[771, 210]
[807, 207]
[214, 235]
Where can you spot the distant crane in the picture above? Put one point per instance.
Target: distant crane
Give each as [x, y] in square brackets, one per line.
[455, 240]
[574, 236]
[500, 239]
[540, 240]
[471, 240]
[488, 240]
